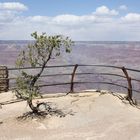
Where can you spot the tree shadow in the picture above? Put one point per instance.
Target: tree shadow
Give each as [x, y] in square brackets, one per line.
[45, 110]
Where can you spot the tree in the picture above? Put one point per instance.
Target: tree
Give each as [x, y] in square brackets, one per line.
[37, 54]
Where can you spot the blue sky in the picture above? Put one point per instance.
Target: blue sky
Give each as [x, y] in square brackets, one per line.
[117, 20]
[78, 7]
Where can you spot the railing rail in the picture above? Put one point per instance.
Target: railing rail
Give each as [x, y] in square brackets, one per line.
[74, 72]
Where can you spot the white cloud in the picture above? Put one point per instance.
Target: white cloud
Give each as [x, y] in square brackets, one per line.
[6, 16]
[123, 7]
[102, 24]
[9, 12]
[66, 19]
[69, 20]
[13, 6]
[131, 18]
[40, 19]
[103, 10]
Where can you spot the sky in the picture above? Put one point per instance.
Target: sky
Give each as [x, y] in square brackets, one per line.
[81, 20]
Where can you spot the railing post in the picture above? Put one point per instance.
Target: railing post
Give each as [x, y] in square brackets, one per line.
[4, 81]
[7, 79]
[72, 79]
[129, 83]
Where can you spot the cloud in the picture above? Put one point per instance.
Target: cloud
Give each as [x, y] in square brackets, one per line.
[76, 20]
[70, 20]
[6, 17]
[61, 20]
[102, 24]
[9, 12]
[103, 10]
[38, 19]
[13, 6]
[131, 18]
[123, 7]
[66, 19]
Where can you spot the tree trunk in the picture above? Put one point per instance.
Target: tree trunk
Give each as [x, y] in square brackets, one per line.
[32, 107]
[36, 77]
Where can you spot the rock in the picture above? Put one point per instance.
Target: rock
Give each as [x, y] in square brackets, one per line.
[105, 92]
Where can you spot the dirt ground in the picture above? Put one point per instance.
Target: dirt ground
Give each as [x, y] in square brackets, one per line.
[90, 116]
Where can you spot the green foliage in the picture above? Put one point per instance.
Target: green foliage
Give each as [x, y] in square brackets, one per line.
[38, 54]
[44, 47]
[24, 90]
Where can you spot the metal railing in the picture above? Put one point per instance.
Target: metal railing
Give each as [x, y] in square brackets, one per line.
[74, 72]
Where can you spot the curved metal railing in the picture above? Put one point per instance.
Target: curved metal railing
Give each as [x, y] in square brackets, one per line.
[74, 71]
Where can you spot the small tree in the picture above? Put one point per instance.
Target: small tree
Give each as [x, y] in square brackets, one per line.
[37, 54]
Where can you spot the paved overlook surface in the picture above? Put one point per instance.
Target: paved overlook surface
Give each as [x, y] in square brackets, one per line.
[94, 116]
